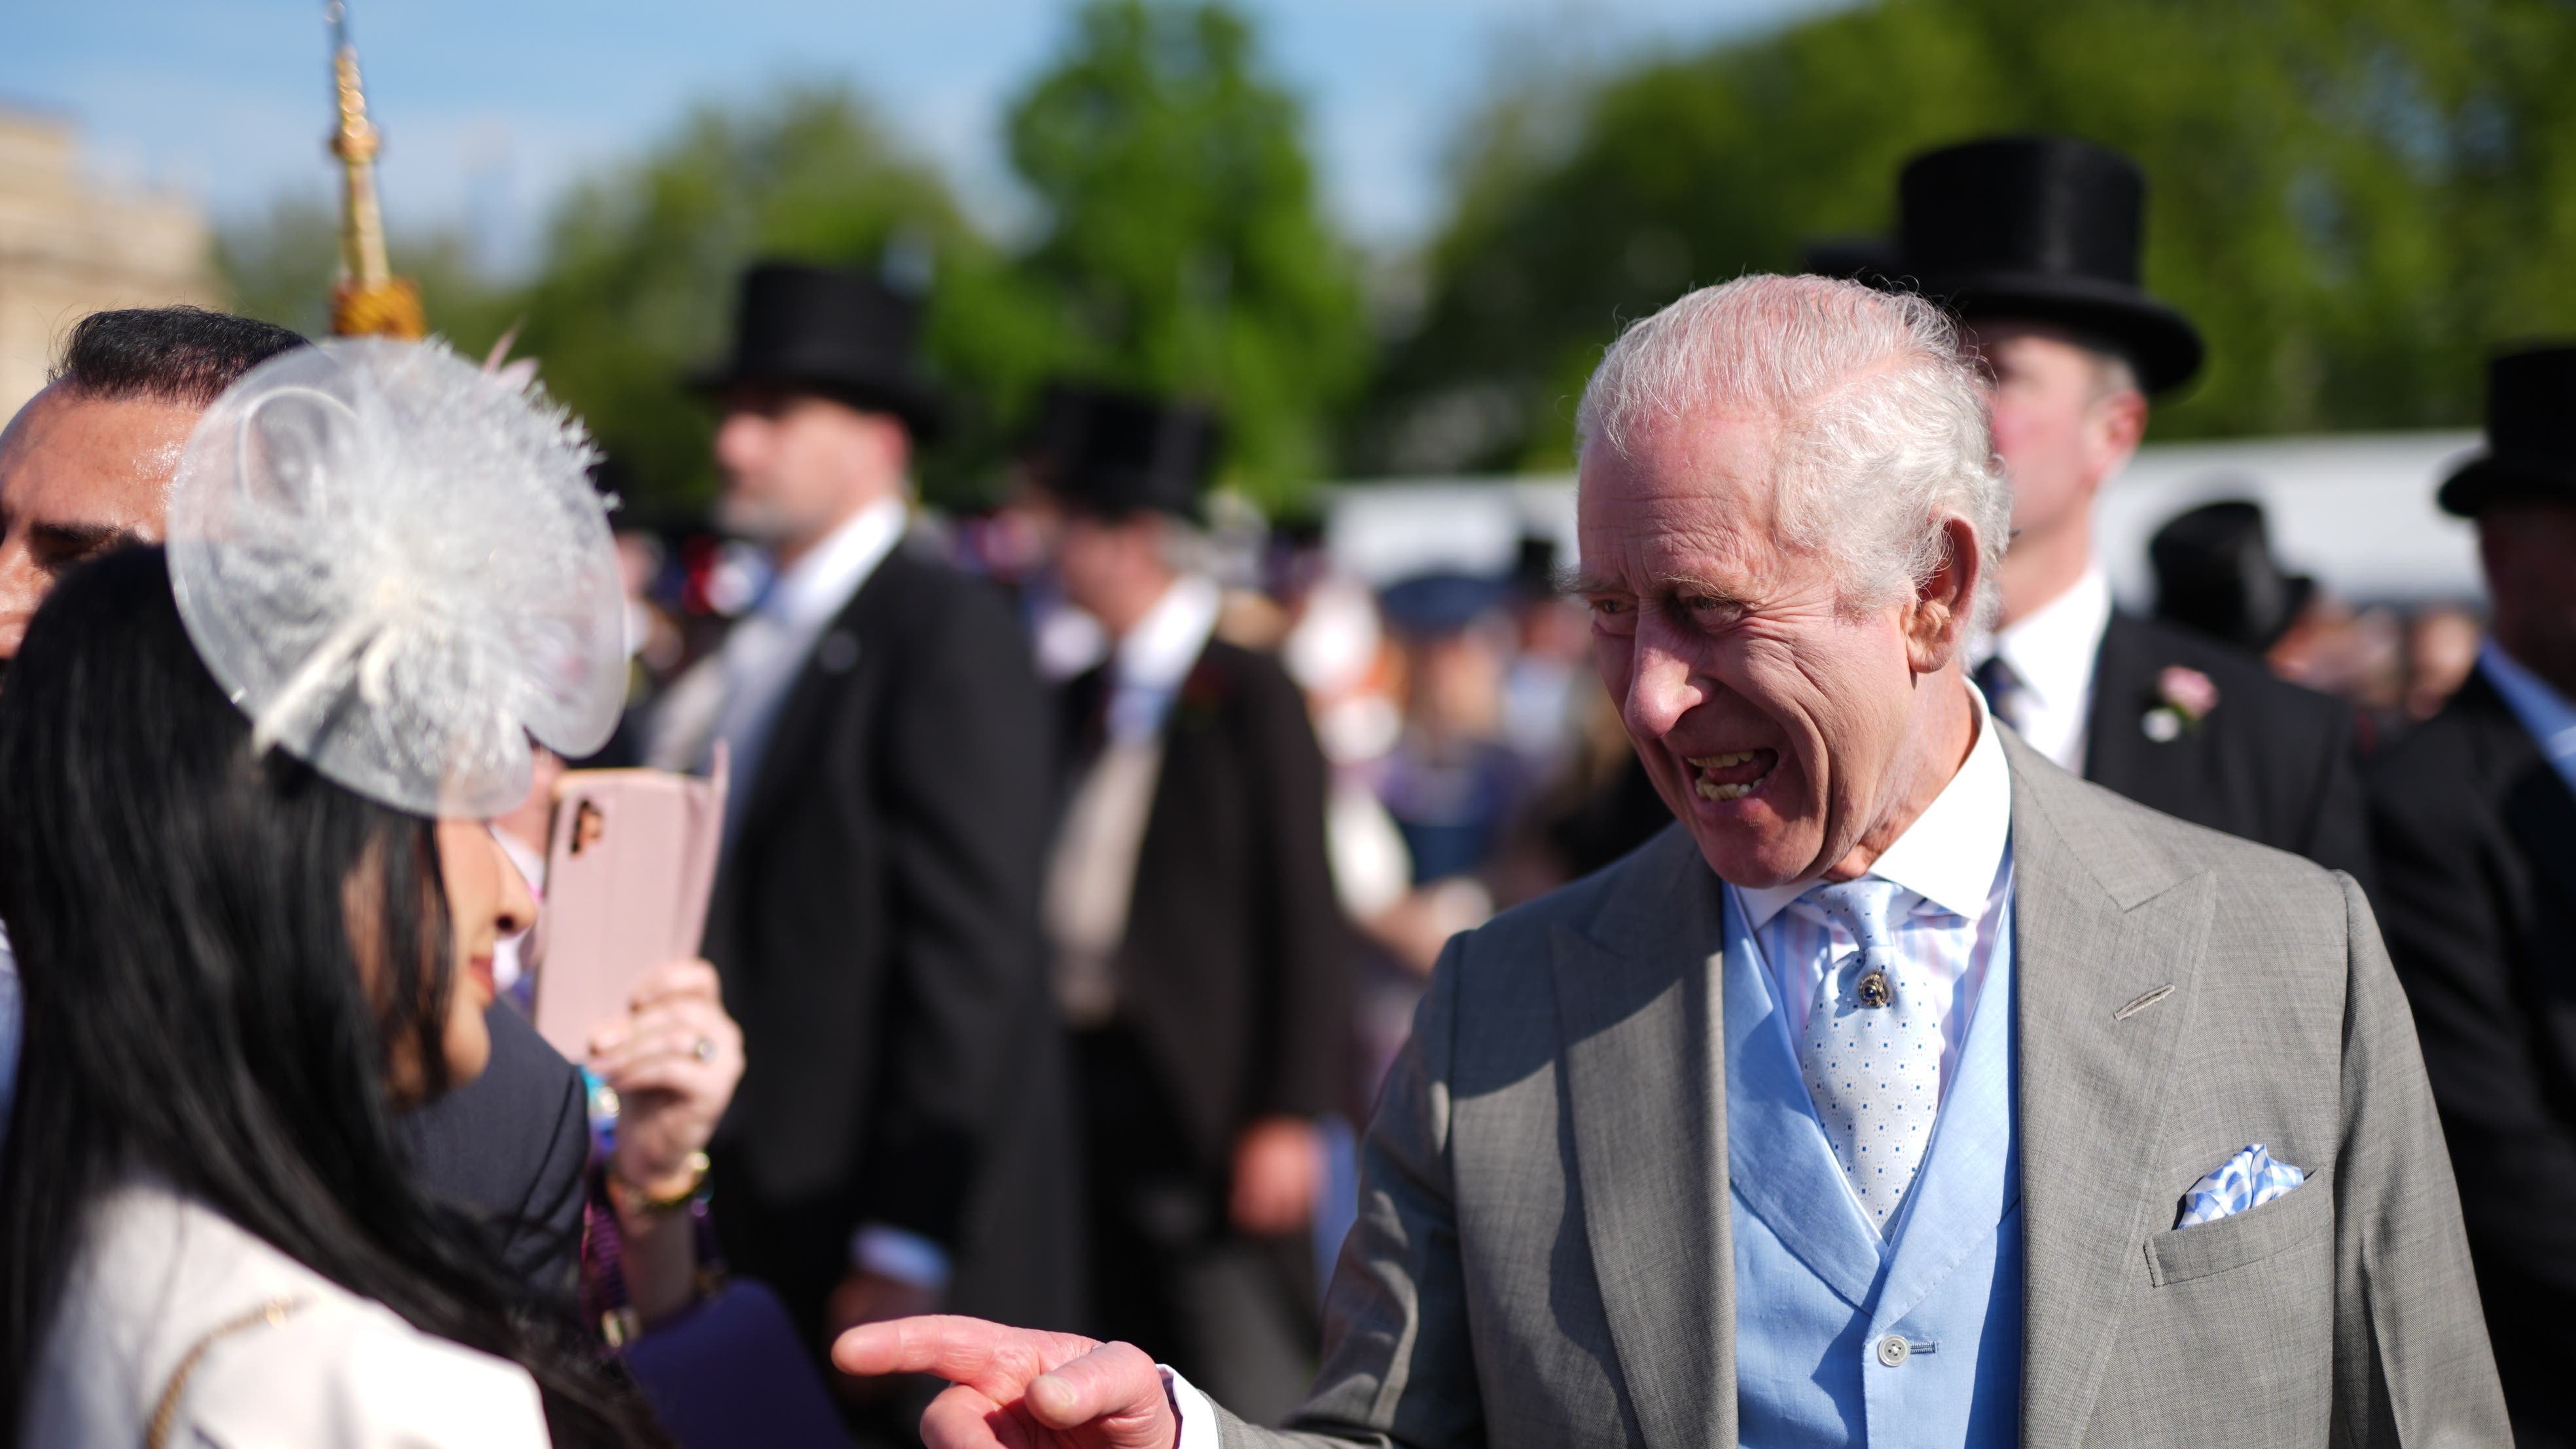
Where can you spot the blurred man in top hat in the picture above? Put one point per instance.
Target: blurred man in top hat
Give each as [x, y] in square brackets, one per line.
[2033, 243]
[2474, 816]
[875, 914]
[1199, 954]
[2215, 574]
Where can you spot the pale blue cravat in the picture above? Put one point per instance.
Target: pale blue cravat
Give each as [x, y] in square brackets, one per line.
[1871, 1053]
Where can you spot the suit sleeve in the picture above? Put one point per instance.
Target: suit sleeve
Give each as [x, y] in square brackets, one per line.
[1398, 1370]
[2449, 938]
[2412, 1364]
[967, 784]
[1309, 989]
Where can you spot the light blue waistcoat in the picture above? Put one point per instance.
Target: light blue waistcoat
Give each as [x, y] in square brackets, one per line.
[1819, 1295]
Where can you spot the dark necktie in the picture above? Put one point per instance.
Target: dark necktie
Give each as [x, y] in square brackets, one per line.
[2002, 689]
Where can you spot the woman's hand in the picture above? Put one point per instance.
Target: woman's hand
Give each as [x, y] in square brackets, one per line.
[674, 1059]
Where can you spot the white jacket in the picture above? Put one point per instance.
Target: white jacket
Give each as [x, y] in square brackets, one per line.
[283, 1355]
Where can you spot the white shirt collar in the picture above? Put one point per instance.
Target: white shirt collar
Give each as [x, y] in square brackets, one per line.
[2052, 650]
[2544, 712]
[1159, 651]
[821, 584]
[1953, 850]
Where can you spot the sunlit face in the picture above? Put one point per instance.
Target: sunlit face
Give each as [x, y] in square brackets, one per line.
[79, 477]
[486, 902]
[795, 465]
[1774, 720]
[2058, 429]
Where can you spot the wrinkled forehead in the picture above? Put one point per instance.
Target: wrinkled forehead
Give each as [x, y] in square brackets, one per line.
[1685, 496]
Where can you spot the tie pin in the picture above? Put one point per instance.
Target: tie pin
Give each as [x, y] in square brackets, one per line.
[1873, 989]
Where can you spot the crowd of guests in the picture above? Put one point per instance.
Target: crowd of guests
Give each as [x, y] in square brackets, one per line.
[1095, 869]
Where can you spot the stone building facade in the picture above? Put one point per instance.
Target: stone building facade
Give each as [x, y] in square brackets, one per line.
[69, 248]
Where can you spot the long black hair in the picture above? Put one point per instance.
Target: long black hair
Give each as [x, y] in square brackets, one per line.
[184, 917]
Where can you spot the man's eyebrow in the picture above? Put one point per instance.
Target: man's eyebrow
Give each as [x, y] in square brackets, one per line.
[83, 538]
[1576, 581]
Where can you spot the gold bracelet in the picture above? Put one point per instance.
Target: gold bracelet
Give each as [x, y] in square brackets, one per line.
[642, 1200]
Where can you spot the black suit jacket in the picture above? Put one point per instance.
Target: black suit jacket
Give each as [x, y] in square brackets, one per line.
[1233, 973]
[512, 1147]
[875, 925]
[2272, 762]
[2477, 848]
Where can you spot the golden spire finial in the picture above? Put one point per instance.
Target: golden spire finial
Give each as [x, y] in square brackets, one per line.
[369, 300]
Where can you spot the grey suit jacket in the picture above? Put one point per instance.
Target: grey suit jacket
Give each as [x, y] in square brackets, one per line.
[1543, 1252]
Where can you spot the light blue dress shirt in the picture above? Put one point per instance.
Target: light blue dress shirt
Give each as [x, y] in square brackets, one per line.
[2545, 712]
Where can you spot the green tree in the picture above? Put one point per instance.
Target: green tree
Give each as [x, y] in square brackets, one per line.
[1182, 250]
[2354, 198]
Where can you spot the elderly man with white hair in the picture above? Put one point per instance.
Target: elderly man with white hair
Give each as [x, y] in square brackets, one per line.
[1909, 1091]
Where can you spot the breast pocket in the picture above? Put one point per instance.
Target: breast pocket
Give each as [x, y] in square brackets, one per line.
[2241, 1240]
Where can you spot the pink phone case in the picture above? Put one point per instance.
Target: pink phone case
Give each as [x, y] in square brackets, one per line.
[630, 861]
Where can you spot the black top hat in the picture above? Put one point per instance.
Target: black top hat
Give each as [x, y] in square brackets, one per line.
[1115, 453]
[2215, 573]
[2042, 229]
[2531, 434]
[838, 333]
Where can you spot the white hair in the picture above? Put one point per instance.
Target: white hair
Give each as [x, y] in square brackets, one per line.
[1884, 434]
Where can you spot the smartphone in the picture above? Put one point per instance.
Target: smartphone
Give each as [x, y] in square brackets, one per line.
[630, 862]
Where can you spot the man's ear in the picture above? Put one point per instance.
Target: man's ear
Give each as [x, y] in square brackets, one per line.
[2119, 424]
[1936, 622]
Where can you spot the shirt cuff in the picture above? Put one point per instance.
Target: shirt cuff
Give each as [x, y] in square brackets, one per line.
[907, 1258]
[1195, 1410]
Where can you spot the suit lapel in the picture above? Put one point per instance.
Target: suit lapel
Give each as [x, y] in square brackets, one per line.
[788, 757]
[2100, 924]
[1647, 1103]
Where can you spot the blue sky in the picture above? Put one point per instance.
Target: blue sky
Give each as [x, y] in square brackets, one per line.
[491, 106]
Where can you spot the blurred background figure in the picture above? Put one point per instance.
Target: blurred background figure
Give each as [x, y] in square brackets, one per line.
[2215, 573]
[2475, 819]
[2034, 243]
[875, 912]
[1199, 953]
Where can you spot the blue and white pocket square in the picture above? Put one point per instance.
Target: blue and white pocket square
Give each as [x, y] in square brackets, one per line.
[2248, 1180]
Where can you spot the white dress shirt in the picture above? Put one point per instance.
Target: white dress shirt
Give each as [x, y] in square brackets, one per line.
[2051, 654]
[1952, 866]
[1150, 661]
[2545, 712]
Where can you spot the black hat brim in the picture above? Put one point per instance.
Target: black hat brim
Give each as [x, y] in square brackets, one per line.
[2159, 341]
[921, 408]
[2491, 478]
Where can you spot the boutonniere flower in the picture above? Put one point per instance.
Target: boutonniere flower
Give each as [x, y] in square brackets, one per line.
[2184, 697]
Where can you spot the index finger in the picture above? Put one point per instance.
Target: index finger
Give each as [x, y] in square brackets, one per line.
[993, 1359]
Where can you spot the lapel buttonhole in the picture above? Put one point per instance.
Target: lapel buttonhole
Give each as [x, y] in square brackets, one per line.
[2143, 1002]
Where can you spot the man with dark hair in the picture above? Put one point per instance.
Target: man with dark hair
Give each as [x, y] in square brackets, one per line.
[85, 469]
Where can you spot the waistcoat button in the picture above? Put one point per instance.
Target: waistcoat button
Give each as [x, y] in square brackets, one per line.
[1893, 1349]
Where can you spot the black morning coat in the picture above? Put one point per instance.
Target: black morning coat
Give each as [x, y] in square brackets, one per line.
[2272, 762]
[2476, 836]
[875, 922]
[512, 1146]
[1233, 974]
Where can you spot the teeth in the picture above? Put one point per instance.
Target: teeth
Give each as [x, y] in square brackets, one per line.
[1711, 790]
[1723, 762]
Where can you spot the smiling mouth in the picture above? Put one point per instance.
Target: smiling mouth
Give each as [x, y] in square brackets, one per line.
[1733, 776]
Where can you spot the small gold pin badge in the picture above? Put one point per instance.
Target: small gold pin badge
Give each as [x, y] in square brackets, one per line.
[1873, 989]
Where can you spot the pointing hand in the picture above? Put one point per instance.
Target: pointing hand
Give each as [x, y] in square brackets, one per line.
[1017, 1388]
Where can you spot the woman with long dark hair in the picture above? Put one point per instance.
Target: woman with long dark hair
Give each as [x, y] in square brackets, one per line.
[254, 906]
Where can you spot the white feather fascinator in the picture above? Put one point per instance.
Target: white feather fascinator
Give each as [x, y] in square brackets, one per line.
[396, 566]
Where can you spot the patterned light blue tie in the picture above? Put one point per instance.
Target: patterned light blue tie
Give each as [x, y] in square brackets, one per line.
[1872, 1051]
